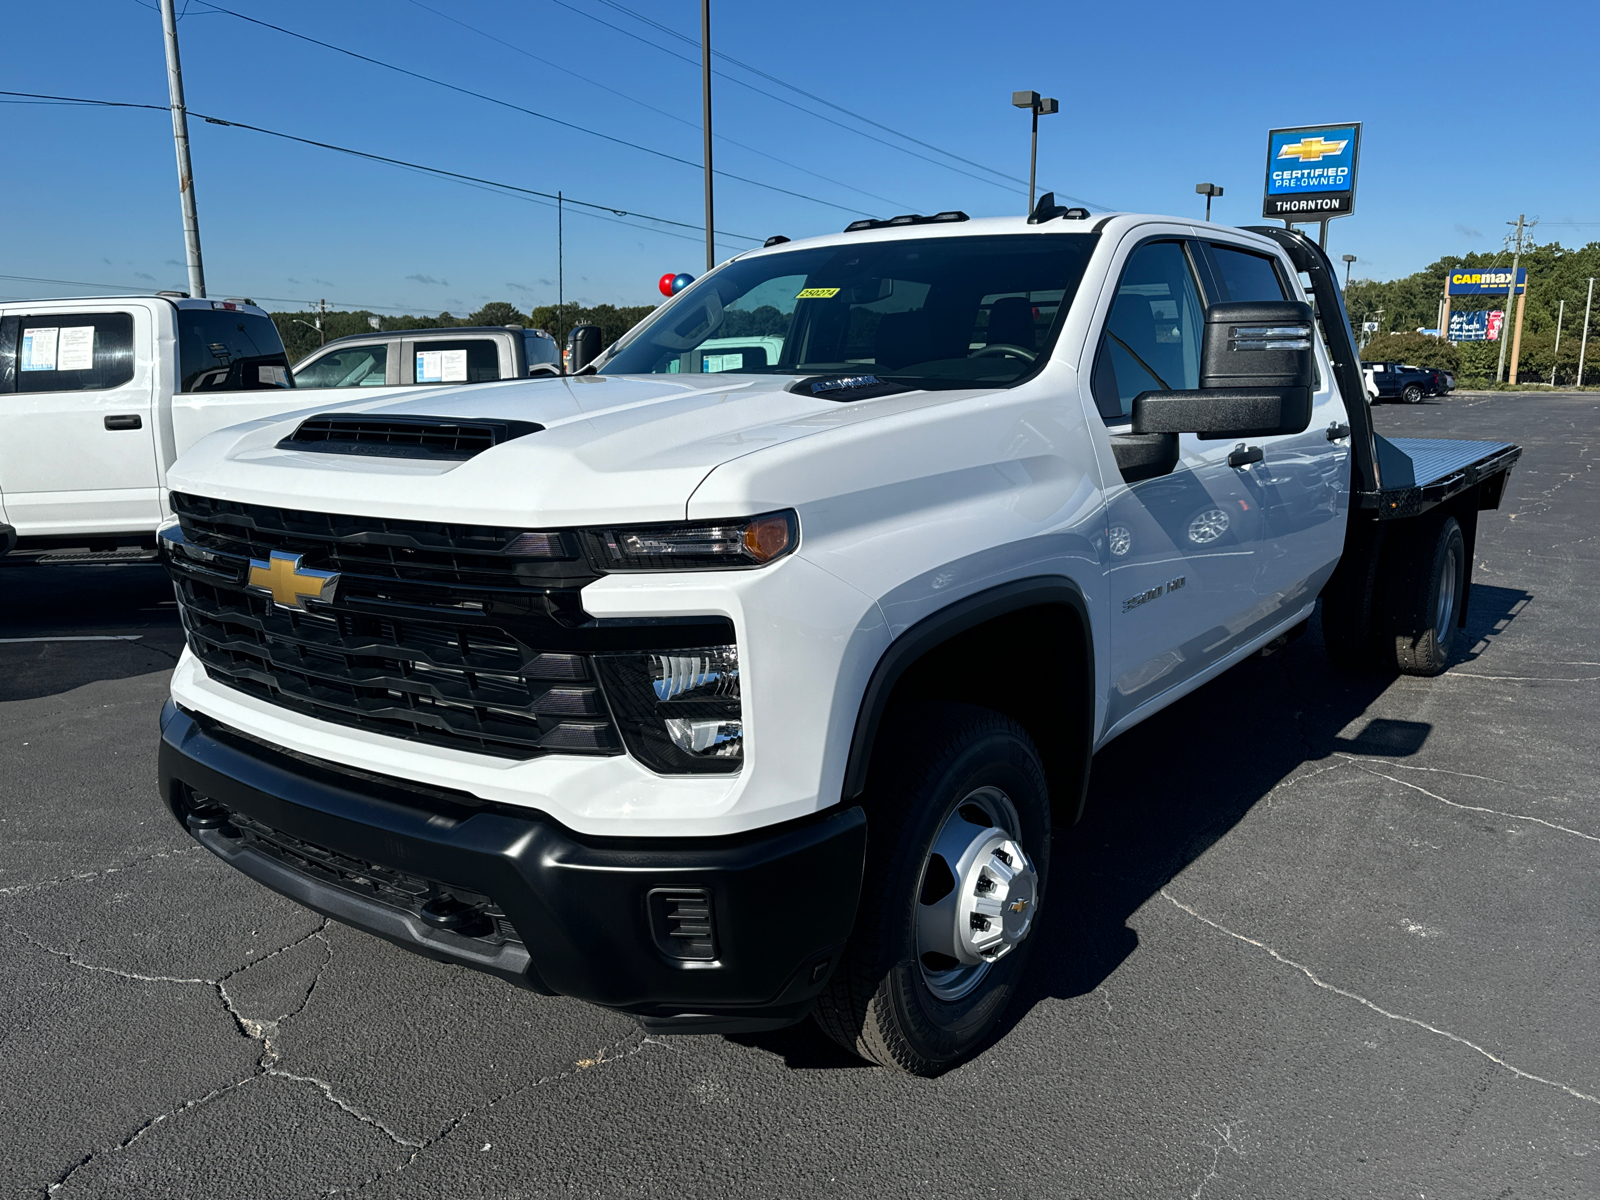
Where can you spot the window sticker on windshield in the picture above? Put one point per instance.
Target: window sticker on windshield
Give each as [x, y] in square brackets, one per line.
[39, 349]
[272, 376]
[75, 350]
[441, 366]
[817, 293]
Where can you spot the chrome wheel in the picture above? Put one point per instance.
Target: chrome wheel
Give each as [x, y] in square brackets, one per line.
[1447, 597]
[977, 896]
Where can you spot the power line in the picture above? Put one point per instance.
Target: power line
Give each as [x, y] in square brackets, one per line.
[529, 111]
[645, 104]
[128, 287]
[801, 108]
[474, 180]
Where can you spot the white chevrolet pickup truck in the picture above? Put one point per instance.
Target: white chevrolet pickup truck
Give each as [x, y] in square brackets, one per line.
[725, 688]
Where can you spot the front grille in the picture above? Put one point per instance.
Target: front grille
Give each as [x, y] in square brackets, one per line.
[485, 922]
[470, 686]
[383, 555]
[403, 437]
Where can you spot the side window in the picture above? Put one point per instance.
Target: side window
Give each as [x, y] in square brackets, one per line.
[350, 366]
[1247, 276]
[1152, 337]
[540, 349]
[471, 360]
[74, 352]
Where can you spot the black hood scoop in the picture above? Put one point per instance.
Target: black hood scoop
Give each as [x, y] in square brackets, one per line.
[377, 436]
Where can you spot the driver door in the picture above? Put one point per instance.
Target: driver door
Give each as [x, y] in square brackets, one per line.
[1180, 548]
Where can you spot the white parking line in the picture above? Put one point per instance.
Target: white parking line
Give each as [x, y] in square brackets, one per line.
[107, 637]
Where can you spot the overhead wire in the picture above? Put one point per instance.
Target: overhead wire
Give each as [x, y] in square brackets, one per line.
[645, 104]
[388, 66]
[473, 180]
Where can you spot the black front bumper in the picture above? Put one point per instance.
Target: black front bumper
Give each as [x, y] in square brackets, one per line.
[556, 913]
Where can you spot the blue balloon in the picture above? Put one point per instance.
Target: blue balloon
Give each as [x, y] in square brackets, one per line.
[680, 281]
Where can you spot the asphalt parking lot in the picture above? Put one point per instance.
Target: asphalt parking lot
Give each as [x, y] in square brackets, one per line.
[1319, 935]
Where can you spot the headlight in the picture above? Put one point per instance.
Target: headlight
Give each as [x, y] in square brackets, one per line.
[679, 710]
[698, 545]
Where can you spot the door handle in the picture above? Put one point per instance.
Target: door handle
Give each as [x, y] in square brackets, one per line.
[125, 421]
[1337, 431]
[1243, 455]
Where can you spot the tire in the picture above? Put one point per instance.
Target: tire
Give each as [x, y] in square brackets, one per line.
[1425, 598]
[1412, 393]
[946, 776]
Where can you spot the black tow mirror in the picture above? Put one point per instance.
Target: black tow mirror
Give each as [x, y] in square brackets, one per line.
[1257, 369]
[583, 347]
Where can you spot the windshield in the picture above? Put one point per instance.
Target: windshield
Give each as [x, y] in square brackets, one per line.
[934, 312]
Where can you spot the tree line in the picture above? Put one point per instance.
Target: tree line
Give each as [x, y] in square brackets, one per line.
[301, 335]
[1555, 273]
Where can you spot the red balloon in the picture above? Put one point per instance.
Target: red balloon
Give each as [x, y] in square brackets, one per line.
[666, 283]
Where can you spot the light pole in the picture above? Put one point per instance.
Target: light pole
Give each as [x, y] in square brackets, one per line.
[1040, 107]
[1555, 355]
[1349, 261]
[1208, 190]
[1583, 346]
[705, 100]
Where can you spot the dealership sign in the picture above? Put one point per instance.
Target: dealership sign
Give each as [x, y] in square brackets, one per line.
[1486, 283]
[1476, 326]
[1311, 172]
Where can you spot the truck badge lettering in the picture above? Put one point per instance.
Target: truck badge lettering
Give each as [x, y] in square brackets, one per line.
[1155, 593]
[288, 583]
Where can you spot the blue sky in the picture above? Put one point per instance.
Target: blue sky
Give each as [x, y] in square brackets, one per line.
[1154, 98]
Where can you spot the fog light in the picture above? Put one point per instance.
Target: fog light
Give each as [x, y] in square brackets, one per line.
[711, 736]
[709, 674]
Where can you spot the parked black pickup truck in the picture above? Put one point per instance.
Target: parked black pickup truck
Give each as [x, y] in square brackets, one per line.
[1397, 381]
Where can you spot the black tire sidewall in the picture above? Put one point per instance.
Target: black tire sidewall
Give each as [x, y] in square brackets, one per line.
[1412, 394]
[942, 1032]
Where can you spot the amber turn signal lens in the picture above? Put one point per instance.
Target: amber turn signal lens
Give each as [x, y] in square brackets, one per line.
[767, 537]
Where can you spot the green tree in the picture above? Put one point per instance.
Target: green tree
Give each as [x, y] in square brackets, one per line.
[497, 312]
[1417, 349]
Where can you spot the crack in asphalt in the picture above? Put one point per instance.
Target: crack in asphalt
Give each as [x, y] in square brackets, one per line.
[81, 876]
[254, 1029]
[1477, 808]
[1225, 1132]
[1381, 1011]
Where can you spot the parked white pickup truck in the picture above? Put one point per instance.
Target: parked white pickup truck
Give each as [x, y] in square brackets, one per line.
[99, 395]
[727, 697]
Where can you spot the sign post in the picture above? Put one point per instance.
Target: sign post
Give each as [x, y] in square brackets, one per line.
[1311, 174]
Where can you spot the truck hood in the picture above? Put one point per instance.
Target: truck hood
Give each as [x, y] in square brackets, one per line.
[618, 448]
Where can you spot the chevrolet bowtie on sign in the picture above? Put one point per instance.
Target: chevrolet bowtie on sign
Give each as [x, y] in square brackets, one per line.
[288, 583]
[1311, 172]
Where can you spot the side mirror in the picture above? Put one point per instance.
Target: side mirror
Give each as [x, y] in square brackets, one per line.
[583, 347]
[1257, 369]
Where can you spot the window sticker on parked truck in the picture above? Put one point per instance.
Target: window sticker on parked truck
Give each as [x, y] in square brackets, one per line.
[75, 350]
[39, 349]
[441, 366]
[817, 293]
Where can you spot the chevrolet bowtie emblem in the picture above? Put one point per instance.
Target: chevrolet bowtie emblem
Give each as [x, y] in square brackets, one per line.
[1311, 149]
[1018, 906]
[288, 583]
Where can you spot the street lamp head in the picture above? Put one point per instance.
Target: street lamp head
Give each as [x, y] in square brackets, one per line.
[1048, 105]
[1025, 99]
[1207, 189]
[1349, 258]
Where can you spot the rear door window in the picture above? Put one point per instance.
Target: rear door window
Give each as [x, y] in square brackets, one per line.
[1247, 276]
[540, 349]
[71, 352]
[221, 351]
[470, 360]
[348, 366]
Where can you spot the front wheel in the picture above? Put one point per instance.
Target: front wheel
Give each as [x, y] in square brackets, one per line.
[1412, 394]
[957, 859]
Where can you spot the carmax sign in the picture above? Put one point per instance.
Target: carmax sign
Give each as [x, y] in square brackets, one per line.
[1486, 283]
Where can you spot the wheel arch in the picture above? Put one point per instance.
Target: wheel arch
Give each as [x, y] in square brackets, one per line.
[1050, 690]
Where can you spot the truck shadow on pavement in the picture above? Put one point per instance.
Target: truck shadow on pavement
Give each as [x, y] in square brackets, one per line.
[1166, 791]
[62, 627]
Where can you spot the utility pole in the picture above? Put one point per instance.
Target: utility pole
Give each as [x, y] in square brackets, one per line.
[180, 138]
[1583, 346]
[561, 255]
[1555, 355]
[1511, 295]
[705, 122]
